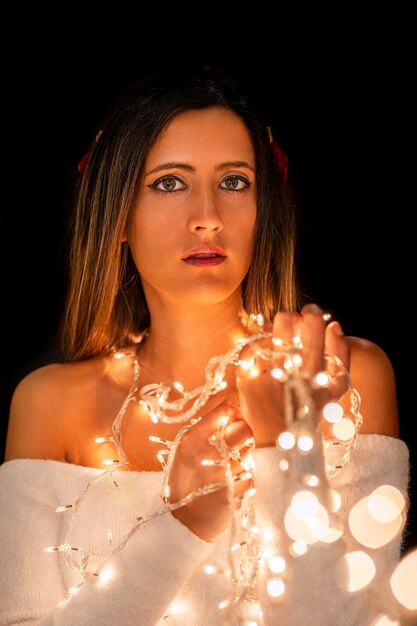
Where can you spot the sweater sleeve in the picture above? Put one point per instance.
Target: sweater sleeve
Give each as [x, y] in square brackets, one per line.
[33, 588]
[316, 582]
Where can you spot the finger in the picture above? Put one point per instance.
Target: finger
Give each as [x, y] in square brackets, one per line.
[224, 413]
[313, 327]
[242, 484]
[284, 327]
[336, 343]
[237, 434]
[247, 364]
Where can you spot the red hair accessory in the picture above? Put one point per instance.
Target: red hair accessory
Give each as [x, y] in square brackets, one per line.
[280, 158]
[82, 164]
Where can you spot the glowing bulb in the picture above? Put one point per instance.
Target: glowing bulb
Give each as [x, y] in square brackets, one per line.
[259, 319]
[332, 412]
[322, 379]
[283, 465]
[311, 480]
[386, 503]
[246, 364]
[335, 501]
[383, 620]
[275, 587]
[209, 569]
[106, 574]
[306, 520]
[404, 581]
[224, 421]
[298, 548]
[304, 504]
[277, 564]
[211, 462]
[331, 535]
[268, 534]
[61, 509]
[370, 531]
[177, 608]
[305, 443]
[156, 439]
[277, 373]
[344, 429]
[286, 440]
[361, 570]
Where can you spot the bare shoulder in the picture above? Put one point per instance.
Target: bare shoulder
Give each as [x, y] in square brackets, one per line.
[42, 406]
[373, 376]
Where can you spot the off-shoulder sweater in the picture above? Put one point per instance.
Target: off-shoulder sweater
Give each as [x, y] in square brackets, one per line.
[160, 577]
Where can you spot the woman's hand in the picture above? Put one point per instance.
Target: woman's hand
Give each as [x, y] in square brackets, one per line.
[261, 396]
[209, 515]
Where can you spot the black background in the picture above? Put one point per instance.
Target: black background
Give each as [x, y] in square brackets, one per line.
[338, 92]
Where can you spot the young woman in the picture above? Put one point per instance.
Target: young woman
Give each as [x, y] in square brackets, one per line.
[206, 453]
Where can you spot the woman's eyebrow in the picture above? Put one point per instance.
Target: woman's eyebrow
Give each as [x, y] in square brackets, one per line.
[170, 165]
[227, 164]
[189, 168]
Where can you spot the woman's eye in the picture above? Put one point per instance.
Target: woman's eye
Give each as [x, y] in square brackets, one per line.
[235, 183]
[168, 183]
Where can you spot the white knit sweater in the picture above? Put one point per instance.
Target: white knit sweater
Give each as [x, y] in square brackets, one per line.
[158, 578]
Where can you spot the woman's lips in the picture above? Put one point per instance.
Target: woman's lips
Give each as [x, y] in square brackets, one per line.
[204, 260]
[205, 256]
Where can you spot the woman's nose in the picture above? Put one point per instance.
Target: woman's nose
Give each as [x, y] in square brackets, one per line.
[205, 215]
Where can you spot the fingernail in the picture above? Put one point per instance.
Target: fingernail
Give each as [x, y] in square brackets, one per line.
[312, 308]
[338, 329]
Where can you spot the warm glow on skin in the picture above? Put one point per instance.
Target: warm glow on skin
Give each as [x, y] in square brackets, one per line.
[198, 153]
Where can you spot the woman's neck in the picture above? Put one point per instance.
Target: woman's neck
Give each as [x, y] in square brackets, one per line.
[180, 343]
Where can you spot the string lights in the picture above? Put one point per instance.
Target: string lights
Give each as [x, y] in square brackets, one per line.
[312, 507]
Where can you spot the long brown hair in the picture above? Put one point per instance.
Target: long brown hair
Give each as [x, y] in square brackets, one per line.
[106, 306]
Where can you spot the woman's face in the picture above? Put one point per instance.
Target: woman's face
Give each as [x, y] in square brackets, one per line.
[194, 217]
